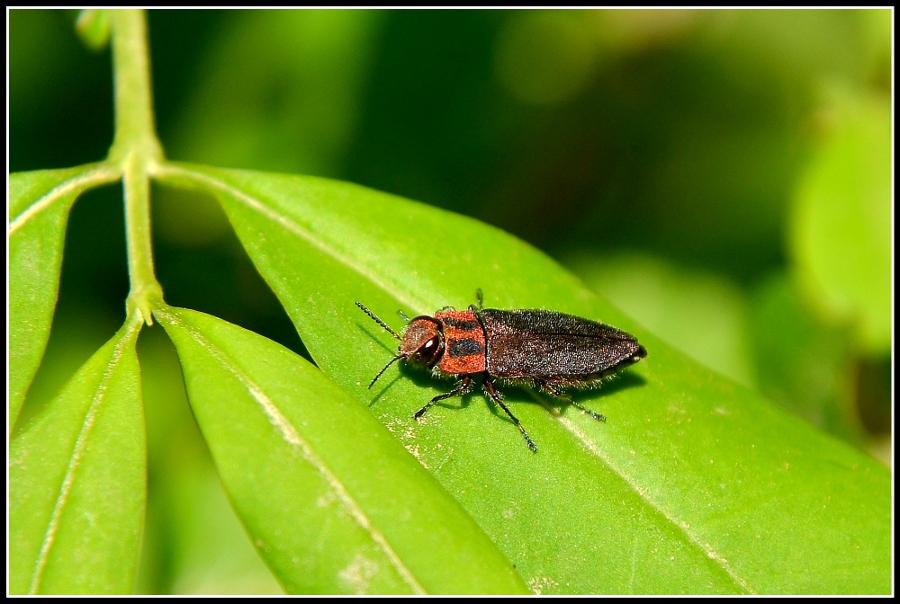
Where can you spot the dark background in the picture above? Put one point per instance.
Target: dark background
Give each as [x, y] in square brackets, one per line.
[661, 155]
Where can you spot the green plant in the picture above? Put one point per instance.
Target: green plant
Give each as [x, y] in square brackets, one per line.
[695, 485]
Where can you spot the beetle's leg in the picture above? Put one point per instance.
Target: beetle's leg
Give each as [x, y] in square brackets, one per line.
[480, 305]
[464, 385]
[492, 392]
[547, 387]
[597, 416]
[552, 391]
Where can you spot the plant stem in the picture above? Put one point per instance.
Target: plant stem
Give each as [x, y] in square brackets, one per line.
[136, 149]
[135, 127]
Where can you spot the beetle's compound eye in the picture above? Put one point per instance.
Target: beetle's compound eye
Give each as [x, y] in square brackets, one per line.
[430, 351]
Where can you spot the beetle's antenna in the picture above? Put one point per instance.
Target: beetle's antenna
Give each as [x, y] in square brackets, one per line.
[383, 324]
[403, 316]
[391, 362]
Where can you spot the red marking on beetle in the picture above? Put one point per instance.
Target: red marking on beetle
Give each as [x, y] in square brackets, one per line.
[464, 351]
[542, 348]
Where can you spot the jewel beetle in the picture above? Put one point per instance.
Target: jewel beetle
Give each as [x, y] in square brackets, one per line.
[540, 348]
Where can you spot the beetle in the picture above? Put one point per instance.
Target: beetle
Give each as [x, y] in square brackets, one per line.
[543, 348]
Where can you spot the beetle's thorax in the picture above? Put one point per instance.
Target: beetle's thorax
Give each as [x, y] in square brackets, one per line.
[465, 350]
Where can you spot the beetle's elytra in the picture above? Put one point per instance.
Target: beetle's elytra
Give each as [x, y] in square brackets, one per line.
[542, 348]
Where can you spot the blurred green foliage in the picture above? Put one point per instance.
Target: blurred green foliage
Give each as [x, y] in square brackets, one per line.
[722, 176]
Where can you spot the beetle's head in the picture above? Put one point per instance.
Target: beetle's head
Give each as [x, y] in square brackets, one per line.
[421, 344]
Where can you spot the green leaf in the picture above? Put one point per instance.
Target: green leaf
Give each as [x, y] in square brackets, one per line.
[694, 485]
[332, 502]
[194, 543]
[39, 207]
[841, 221]
[77, 481]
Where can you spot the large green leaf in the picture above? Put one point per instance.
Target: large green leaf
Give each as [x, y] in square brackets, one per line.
[77, 481]
[39, 204]
[332, 502]
[694, 485]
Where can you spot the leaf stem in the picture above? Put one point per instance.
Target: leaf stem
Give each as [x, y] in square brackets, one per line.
[137, 151]
[146, 292]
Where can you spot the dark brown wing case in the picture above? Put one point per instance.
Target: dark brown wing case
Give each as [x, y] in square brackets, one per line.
[552, 346]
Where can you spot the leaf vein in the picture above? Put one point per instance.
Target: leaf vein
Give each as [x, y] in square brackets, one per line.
[694, 539]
